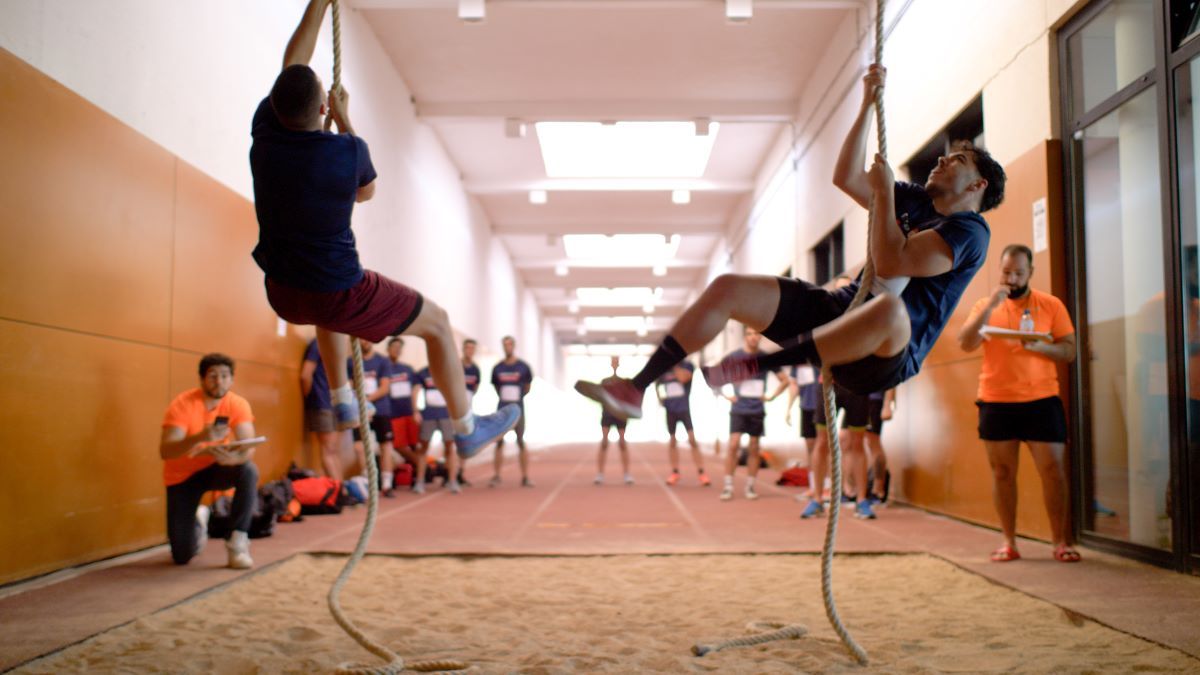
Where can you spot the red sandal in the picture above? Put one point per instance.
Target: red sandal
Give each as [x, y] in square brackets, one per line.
[1064, 553]
[1005, 553]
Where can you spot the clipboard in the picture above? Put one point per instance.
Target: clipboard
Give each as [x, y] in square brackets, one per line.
[1010, 334]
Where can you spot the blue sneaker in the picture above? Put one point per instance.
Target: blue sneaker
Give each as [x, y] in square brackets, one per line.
[813, 509]
[488, 429]
[345, 415]
[864, 511]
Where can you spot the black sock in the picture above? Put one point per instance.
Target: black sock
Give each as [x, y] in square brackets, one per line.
[804, 351]
[664, 358]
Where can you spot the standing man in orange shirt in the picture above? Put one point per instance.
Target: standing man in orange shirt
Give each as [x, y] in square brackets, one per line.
[197, 422]
[1018, 394]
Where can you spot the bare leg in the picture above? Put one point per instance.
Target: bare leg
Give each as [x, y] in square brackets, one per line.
[878, 461]
[820, 464]
[335, 350]
[624, 450]
[451, 459]
[422, 463]
[1048, 458]
[697, 458]
[673, 452]
[522, 453]
[600, 457]
[1003, 456]
[433, 326]
[750, 299]
[498, 458]
[331, 459]
[731, 457]
[857, 463]
[752, 461]
[879, 326]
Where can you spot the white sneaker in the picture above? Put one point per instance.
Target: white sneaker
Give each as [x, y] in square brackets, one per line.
[598, 480]
[455, 487]
[202, 514]
[494, 482]
[750, 493]
[727, 493]
[418, 488]
[628, 479]
[238, 546]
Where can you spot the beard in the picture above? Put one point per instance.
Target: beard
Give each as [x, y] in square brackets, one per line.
[1018, 291]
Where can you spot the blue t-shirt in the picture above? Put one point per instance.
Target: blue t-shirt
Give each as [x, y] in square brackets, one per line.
[750, 392]
[435, 404]
[305, 185]
[931, 300]
[810, 394]
[675, 393]
[404, 378]
[510, 381]
[318, 397]
[376, 367]
[471, 377]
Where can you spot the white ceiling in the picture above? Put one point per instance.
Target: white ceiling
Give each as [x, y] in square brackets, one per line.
[599, 61]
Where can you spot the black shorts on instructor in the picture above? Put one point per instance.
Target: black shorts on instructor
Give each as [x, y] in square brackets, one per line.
[1042, 420]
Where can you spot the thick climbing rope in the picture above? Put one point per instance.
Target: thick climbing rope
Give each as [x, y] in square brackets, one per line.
[835, 446]
[783, 632]
[394, 664]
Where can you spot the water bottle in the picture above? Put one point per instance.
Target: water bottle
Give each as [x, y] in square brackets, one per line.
[1026, 322]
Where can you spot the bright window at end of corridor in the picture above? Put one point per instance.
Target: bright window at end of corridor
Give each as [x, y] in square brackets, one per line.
[624, 149]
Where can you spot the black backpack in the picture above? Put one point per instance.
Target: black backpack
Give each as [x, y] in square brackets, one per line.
[220, 522]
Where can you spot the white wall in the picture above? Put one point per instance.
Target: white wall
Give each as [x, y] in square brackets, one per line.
[189, 75]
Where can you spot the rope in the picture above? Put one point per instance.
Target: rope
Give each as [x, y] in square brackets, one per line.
[394, 664]
[835, 446]
[785, 632]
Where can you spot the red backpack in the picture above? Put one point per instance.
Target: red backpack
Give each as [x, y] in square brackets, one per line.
[319, 495]
[795, 476]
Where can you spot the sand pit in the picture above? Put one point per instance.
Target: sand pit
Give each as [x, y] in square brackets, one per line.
[618, 614]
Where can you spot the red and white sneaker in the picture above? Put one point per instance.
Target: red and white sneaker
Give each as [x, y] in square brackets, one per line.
[730, 370]
[618, 396]
[673, 478]
[704, 479]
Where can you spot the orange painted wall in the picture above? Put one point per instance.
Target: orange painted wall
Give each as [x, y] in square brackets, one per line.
[119, 266]
[933, 446]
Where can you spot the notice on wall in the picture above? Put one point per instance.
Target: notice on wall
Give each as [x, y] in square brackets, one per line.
[1040, 238]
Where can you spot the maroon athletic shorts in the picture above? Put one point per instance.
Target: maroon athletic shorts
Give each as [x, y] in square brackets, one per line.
[373, 309]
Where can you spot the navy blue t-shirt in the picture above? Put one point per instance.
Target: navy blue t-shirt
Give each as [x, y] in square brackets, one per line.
[318, 397]
[931, 300]
[305, 184]
[749, 393]
[435, 403]
[404, 378]
[510, 381]
[810, 394]
[471, 377]
[675, 393]
[376, 368]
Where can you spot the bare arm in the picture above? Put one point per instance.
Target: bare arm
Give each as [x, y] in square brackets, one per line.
[306, 376]
[304, 40]
[176, 442]
[968, 336]
[785, 382]
[849, 174]
[381, 390]
[924, 254]
[1061, 350]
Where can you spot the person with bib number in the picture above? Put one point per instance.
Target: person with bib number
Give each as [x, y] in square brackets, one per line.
[512, 379]
[747, 416]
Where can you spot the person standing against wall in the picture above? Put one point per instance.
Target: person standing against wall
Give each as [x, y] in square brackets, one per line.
[377, 378]
[748, 416]
[1018, 394]
[318, 411]
[674, 393]
[512, 379]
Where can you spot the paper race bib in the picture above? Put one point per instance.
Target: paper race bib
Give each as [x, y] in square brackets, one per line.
[370, 385]
[805, 375]
[510, 393]
[675, 390]
[434, 399]
[401, 389]
[751, 388]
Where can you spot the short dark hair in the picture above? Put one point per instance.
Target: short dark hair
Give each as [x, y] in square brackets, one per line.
[990, 170]
[508, 337]
[1018, 248]
[214, 359]
[469, 341]
[296, 96]
[395, 340]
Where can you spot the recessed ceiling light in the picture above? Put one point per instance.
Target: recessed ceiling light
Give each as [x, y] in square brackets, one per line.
[624, 149]
[739, 10]
[538, 197]
[660, 270]
[573, 307]
[474, 10]
[561, 270]
[641, 332]
[681, 196]
[648, 308]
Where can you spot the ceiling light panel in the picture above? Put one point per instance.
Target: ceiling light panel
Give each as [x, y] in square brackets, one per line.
[625, 296]
[624, 149]
[621, 249]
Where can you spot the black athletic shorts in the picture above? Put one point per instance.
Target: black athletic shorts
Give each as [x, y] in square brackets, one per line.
[1042, 420]
[750, 424]
[855, 406]
[607, 420]
[875, 416]
[803, 307]
[382, 426]
[808, 423]
[674, 419]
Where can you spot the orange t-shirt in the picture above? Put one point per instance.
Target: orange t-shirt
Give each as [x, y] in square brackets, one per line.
[188, 411]
[1011, 373]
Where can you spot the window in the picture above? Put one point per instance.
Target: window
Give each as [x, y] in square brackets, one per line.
[968, 126]
[829, 256]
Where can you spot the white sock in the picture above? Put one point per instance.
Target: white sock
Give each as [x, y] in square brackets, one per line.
[749, 482]
[728, 481]
[387, 480]
[465, 425]
[343, 394]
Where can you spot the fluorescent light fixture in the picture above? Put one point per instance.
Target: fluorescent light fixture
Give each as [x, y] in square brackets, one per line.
[739, 10]
[660, 270]
[615, 323]
[538, 197]
[641, 332]
[624, 149]
[573, 307]
[475, 11]
[681, 196]
[648, 308]
[561, 270]
[629, 250]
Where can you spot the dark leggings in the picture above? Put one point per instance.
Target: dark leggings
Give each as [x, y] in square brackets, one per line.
[183, 530]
